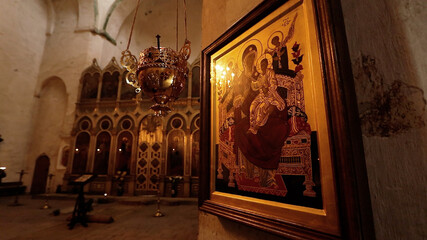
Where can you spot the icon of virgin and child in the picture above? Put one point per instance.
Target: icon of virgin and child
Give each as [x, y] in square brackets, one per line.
[258, 116]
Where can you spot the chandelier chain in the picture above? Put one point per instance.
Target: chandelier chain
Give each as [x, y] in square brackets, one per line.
[185, 18]
[177, 14]
[133, 24]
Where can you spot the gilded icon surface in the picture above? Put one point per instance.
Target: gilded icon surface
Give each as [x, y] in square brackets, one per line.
[265, 129]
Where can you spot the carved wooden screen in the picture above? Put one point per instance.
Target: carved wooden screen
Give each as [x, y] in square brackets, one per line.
[110, 86]
[81, 153]
[90, 87]
[102, 153]
[195, 146]
[176, 147]
[89, 82]
[149, 157]
[176, 152]
[124, 151]
[127, 92]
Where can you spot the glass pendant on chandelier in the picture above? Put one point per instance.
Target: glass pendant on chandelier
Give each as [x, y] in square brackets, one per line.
[161, 72]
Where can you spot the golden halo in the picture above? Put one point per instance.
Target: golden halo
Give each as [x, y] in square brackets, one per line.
[276, 33]
[224, 63]
[258, 47]
[264, 56]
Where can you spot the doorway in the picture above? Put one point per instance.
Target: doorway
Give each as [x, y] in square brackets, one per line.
[41, 170]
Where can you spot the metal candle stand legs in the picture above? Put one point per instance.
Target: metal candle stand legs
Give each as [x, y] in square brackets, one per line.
[46, 201]
[158, 213]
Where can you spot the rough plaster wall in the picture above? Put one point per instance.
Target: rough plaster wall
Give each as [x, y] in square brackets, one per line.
[67, 53]
[218, 16]
[387, 42]
[22, 39]
[49, 117]
[87, 15]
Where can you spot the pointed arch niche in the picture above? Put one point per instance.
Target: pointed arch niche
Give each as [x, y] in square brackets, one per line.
[90, 82]
[49, 117]
[81, 153]
[102, 153]
[102, 146]
[175, 154]
[195, 146]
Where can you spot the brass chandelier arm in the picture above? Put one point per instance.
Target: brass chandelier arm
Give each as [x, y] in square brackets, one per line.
[128, 60]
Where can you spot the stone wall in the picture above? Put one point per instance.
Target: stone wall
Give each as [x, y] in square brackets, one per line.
[387, 47]
[66, 54]
[387, 42]
[22, 40]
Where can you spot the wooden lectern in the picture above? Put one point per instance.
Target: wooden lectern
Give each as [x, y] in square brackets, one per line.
[81, 207]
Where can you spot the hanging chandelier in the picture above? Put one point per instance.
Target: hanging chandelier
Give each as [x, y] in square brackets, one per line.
[161, 72]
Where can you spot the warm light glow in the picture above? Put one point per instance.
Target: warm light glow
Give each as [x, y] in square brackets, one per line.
[120, 149]
[105, 194]
[160, 72]
[98, 149]
[77, 149]
[2, 168]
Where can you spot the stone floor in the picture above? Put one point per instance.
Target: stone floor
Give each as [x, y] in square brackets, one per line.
[133, 219]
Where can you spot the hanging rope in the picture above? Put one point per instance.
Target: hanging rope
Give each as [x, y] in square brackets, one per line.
[133, 24]
[177, 14]
[185, 18]
[129, 61]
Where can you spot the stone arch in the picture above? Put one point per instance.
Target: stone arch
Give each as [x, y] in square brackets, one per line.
[49, 118]
[50, 17]
[117, 14]
[63, 156]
